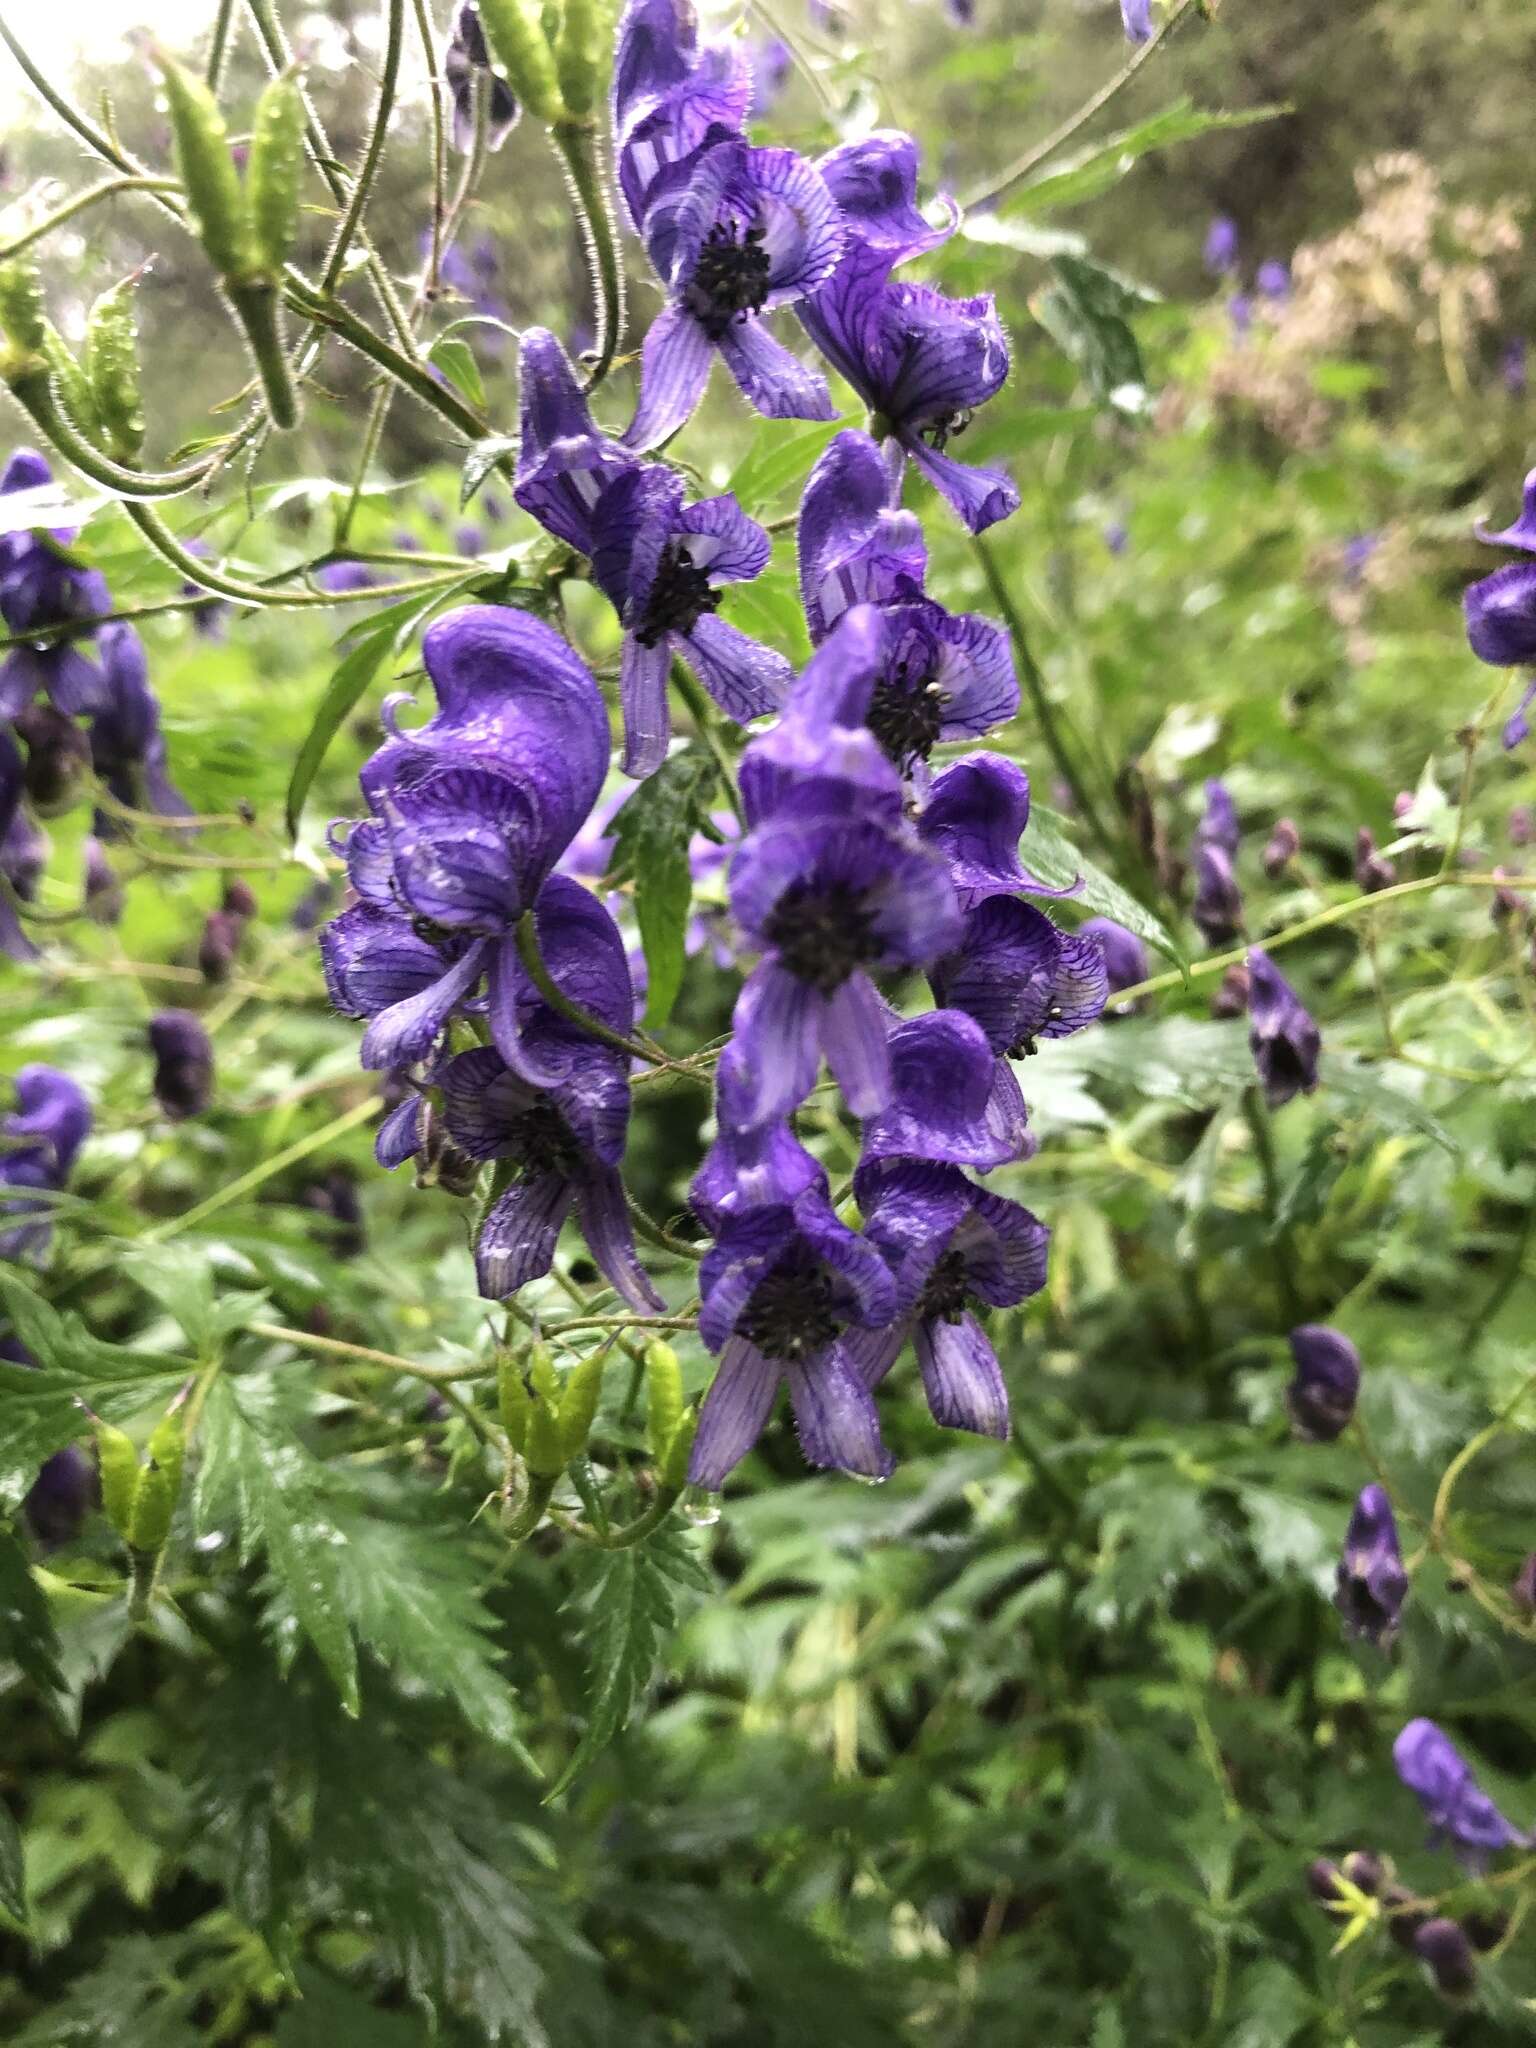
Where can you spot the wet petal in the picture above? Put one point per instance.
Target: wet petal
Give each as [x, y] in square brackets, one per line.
[407, 1032]
[735, 1411]
[518, 1238]
[771, 380]
[835, 1416]
[674, 369]
[643, 696]
[960, 1375]
[746, 679]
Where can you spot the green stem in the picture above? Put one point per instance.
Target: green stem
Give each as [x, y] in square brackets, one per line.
[94, 138]
[643, 1525]
[406, 370]
[539, 974]
[258, 308]
[218, 48]
[165, 544]
[258, 1175]
[1257, 1116]
[1040, 703]
[1032, 159]
[107, 189]
[33, 392]
[701, 712]
[662, 1239]
[368, 170]
[435, 86]
[528, 1517]
[577, 146]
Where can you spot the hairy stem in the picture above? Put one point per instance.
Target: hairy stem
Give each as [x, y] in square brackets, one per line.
[373, 153]
[576, 143]
[107, 189]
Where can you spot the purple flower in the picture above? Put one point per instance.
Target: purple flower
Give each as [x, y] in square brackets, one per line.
[775, 68]
[1240, 313]
[340, 577]
[921, 362]
[1512, 366]
[1326, 1385]
[1117, 536]
[1501, 608]
[1125, 957]
[1372, 1584]
[752, 230]
[952, 1100]
[127, 746]
[975, 816]
[944, 677]
[1455, 1806]
[1137, 17]
[559, 1114]
[39, 587]
[1218, 905]
[1221, 245]
[470, 814]
[669, 96]
[468, 539]
[466, 55]
[1021, 977]
[58, 758]
[1373, 870]
[1283, 1037]
[782, 1282]
[1442, 1946]
[1358, 550]
[103, 887]
[563, 463]
[183, 1082]
[952, 1248]
[1281, 848]
[1273, 280]
[1218, 824]
[43, 1135]
[661, 563]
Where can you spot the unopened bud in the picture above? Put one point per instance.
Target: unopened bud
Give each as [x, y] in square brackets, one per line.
[118, 1461]
[183, 1082]
[238, 899]
[112, 370]
[1442, 1945]
[58, 758]
[515, 34]
[22, 319]
[1323, 1880]
[1365, 1871]
[274, 172]
[1373, 870]
[218, 945]
[1404, 1915]
[103, 887]
[207, 169]
[1231, 997]
[1281, 848]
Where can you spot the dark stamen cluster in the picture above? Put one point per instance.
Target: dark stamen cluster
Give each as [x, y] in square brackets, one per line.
[822, 935]
[906, 714]
[680, 595]
[942, 431]
[946, 1293]
[541, 1141]
[1023, 1048]
[730, 279]
[791, 1315]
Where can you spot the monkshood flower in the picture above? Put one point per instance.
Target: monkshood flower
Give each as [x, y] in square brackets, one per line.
[561, 1116]
[183, 1054]
[1221, 245]
[669, 96]
[470, 814]
[661, 563]
[127, 746]
[1454, 1804]
[921, 362]
[951, 1100]
[22, 851]
[1218, 905]
[752, 230]
[975, 816]
[1218, 824]
[340, 577]
[1240, 313]
[1273, 279]
[465, 57]
[821, 759]
[1125, 957]
[65, 1488]
[952, 1248]
[782, 1282]
[1021, 977]
[945, 677]
[1501, 608]
[1321, 1396]
[564, 464]
[41, 587]
[1136, 15]
[1373, 870]
[1442, 1946]
[1282, 1035]
[58, 758]
[103, 885]
[1372, 1584]
[43, 1134]
[1281, 848]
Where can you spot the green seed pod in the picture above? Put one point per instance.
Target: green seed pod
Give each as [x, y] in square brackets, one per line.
[119, 1463]
[513, 1400]
[673, 1472]
[70, 383]
[167, 1446]
[275, 172]
[579, 51]
[544, 1452]
[154, 1503]
[520, 46]
[21, 307]
[578, 1402]
[207, 170]
[663, 1397]
[112, 370]
[541, 1372]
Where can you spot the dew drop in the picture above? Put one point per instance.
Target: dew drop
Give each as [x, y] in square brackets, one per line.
[701, 1506]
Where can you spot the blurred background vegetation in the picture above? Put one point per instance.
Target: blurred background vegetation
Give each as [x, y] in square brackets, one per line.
[1036, 1741]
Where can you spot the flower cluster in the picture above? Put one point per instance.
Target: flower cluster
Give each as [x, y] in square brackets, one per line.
[41, 1138]
[45, 688]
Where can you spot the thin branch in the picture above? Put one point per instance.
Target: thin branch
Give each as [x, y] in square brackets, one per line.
[279, 1162]
[107, 189]
[368, 170]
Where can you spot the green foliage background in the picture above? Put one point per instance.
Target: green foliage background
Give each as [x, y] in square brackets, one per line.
[1036, 1741]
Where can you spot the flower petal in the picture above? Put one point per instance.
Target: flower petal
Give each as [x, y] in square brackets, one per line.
[674, 368]
[518, 1238]
[835, 1416]
[776, 1028]
[604, 1220]
[980, 496]
[407, 1031]
[853, 1037]
[735, 1411]
[643, 696]
[746, 679]
[960, 1375]
[771, 380]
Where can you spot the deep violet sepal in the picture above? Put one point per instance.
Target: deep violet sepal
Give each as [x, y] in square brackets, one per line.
[1218, 824]
[1372, 1584]
[1125, 957]
[975, 815]
[1136, 16]
[1455, 1805]
[1326, 1384]
[670, 96]
[128, 748]
[1282, 1034]
[820, 758]
[1218, 901]
[949, 1101]
[1020, 976]
[564, 463]
[1221, 245]
[1522, 534]
[184, 1069]
[1501, 616]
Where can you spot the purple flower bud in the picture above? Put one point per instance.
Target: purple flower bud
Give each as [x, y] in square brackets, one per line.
[468, 539]
[1373, 870]
[1218, 904]
[1281, 848]
[1523, 1590]
[339, 577]
[1282, 1035]
[1365, 1871]
[183, 1082]
[1372, 1584]
[1117, 536]
[60, 1497]
[1221, 245]
[1506, 903]
[1231, 997]
[58, 758]
[239, 899]
[1125, 957]
[1322, 1395]
[1273, 280]
[1218, 824]
[1357, 552]
[1240, 313]
[1323, 1880]
[1522, 825]
[1137, 17]
[1441, 1945]
[218, 945]
[1454, 1804]
[103, 888]
[44, 1131]
[1404, 1915]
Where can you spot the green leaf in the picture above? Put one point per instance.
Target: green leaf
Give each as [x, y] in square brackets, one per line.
[482, 458]
[1388, 1092]
[356, 671]
[631, 1610]
[1047, 851]
[46, 506]
[180, 1277]
[456, 360]
[28, 1638]
[777, 458]
[13, 1885]
[651, 835]
[329, 2012]
[1070, 180]
[1085, 314]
